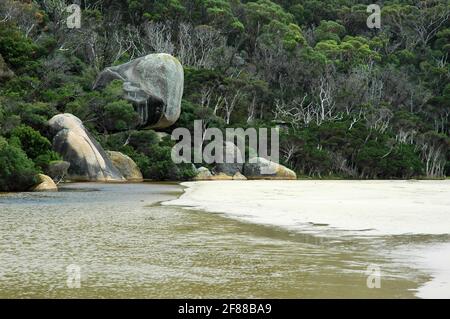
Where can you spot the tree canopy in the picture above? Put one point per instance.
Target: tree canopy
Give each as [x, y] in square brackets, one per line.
[354, 102]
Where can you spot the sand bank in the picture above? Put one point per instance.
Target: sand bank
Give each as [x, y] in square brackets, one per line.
[369, 207]
[375, 208]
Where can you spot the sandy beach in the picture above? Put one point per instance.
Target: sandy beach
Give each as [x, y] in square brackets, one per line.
[358, 208]
[369, 207]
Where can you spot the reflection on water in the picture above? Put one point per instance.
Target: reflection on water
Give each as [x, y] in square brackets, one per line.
[129, 247]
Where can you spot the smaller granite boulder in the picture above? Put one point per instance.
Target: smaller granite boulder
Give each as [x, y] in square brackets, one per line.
[126, 166]
[203, 174]
[239, 177]
[261, 168]
[46, 184]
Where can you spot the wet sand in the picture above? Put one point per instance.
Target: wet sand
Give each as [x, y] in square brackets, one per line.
[380, 209]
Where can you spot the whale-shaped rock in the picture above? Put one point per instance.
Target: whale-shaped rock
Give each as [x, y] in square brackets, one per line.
[153, 83]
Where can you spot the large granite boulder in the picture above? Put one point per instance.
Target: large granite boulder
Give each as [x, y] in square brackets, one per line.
[126, 166]
[261, 168]
[154, 84]
[46, 184]
[88, 161]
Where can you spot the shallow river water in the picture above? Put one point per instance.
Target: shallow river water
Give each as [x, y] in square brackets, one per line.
[128, 246]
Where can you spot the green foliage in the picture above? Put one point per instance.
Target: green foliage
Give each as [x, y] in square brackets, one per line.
[142, 141]
[120, 115]
[31, 141]
[377, 161]
[350, 52]
[18, 51]
[17, 171]
[360, 102]
[442, 42]
[220, 13]
[18, 87]
[266, 11]
[111, 111]
[36, 146]
[290, 35]
[330, 30]
[35, 115]
[161, 167]
[298, 12]
[316, 11]
[152, 156]
[333, 149]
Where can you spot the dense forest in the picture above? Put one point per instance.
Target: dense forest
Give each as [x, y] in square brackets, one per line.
[353, 102]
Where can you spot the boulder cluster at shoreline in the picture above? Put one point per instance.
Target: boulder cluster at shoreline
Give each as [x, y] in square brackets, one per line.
[154, 84]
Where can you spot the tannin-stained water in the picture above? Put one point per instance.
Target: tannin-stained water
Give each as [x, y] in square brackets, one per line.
[128, 246]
